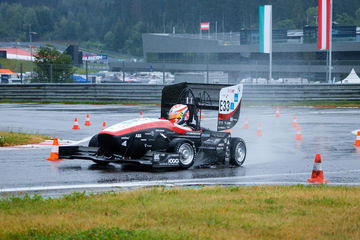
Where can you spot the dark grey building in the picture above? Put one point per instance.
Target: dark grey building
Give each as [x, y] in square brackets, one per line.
[295, 54]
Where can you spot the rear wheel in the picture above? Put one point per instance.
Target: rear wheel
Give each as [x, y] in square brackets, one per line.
[94, 142]
[186, 150]
[237, 151]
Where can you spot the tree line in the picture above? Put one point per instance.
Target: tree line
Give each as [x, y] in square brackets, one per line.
[118, 24]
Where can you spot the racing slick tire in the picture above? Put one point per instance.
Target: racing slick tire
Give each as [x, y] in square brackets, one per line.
[94, 142]
[237, 151]
[186, 149]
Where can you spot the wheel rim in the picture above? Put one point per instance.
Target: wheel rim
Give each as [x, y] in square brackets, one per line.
[239, 152]
[186, 152]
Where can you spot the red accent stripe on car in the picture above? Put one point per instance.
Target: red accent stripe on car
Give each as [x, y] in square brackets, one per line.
[152, 125]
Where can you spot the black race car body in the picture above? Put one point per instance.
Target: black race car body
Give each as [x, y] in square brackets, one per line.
[160, 143]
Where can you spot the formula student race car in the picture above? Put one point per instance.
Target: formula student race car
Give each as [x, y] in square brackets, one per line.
[161, 143]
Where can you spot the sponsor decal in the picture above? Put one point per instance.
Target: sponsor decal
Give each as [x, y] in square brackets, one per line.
[193, 133]
[125, 138]
[143, 140]
[163, 135]
[94, 57]
[224, 106]
[138, 135]
[157, 157]
[147, 145]
[159, 130]
[124, 144]
[173, 161]
[236, 97]
[232, 106]
[152, 133]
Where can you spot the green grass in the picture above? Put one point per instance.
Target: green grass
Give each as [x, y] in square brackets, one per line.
[78, 70]
[14, 65]
[14, 138]
[258, 212]
[101, 233]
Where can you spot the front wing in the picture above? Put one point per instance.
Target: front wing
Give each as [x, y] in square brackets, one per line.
[152, 158]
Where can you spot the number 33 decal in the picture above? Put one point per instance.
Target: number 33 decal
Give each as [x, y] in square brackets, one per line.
[224, 106]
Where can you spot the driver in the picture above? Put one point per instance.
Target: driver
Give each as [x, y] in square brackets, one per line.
[179, 114]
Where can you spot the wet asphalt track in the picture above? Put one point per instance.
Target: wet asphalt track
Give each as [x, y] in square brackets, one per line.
[274, 158]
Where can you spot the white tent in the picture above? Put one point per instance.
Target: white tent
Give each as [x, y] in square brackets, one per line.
[351, 78]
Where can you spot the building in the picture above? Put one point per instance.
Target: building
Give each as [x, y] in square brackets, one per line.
[19, 53]
[295, 54]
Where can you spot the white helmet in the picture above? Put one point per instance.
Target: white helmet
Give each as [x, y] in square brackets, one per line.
[179, 114]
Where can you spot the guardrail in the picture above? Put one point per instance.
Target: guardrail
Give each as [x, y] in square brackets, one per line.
[146, 93]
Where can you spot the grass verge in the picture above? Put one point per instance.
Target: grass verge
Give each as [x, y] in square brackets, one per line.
[15, 65]
[13, 138]
[258, 212]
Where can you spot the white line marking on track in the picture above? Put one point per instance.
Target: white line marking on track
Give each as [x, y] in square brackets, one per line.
[196, 181]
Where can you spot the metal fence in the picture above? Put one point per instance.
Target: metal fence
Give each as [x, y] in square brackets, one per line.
[143, 73]
[146, 93]
[29, 72]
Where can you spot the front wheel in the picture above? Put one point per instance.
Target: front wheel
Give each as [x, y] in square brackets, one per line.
[94, 142]
[237, 151]
[186, 150]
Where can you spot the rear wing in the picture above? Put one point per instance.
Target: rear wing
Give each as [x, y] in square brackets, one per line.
[197, 96]
[229, 106]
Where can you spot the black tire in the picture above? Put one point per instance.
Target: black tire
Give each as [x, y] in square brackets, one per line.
[187, 151]
[94, 142]
[237, 151]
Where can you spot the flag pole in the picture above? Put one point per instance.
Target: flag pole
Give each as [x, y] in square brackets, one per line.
[330, 41]
[270, 53]
[209, 31]
[216, 30]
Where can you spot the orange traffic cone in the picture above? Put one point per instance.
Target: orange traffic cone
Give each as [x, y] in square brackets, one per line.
[54, 154]
[103, 125]
[76, 124]
[259, 131]
[298, 135]
[87, 122]
[294, 121]
[317, 175]
[357, 140]
[277, 112]
[141, 114]
[246, 124]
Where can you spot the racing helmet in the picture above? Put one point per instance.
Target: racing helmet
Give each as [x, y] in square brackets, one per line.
[179, 114]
